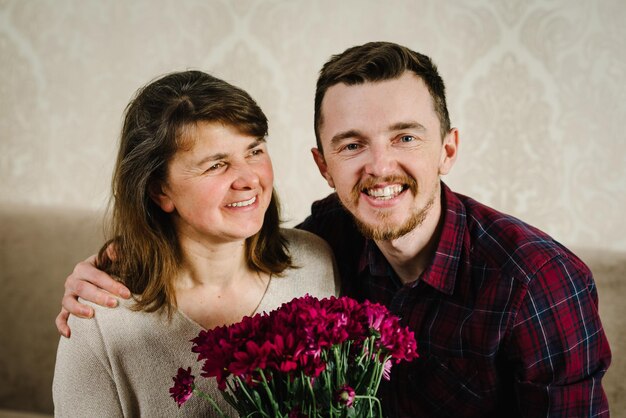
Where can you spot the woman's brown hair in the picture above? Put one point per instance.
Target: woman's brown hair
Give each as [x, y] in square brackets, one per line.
[148, 255]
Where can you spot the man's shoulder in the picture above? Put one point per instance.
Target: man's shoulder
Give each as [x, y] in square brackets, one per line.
[335, 225]
[328, 208]
[507, 242]
[331, 221]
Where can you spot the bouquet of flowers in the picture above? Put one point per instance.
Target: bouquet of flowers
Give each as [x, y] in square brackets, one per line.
[309, 358]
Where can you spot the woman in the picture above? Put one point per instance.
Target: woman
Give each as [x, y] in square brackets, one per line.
[197, 221]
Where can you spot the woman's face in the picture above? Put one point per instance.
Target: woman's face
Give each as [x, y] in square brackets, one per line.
[219, 187]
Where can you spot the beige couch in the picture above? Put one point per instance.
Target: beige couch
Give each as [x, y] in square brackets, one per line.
[39, 247]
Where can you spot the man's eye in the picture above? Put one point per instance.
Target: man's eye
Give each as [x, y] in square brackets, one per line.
[256, 151]
[352, 147]
[407, 138]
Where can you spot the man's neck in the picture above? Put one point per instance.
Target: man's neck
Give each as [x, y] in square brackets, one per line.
[410, 254]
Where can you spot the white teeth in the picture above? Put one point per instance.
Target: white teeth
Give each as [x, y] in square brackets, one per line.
[244, 203]
[385, 193]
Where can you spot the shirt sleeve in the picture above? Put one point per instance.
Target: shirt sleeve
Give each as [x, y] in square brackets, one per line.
[83, 383]
[558, 346]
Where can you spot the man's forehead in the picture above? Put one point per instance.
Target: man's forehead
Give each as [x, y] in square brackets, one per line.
[376, 97]
[407, 87]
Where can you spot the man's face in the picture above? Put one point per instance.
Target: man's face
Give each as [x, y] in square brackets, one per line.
[383, 153]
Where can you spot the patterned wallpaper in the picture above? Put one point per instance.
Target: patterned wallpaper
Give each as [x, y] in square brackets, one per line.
[536, 87]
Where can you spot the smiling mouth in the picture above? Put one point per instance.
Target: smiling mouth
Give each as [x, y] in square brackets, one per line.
[385, 193]
[243, 203]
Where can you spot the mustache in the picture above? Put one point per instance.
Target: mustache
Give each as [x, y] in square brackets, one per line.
[369, 182]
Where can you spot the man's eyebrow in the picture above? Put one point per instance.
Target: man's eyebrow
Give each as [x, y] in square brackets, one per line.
[399, 126]
[256, 142]
[351, 133]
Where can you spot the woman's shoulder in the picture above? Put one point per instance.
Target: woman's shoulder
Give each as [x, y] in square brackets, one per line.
[122, 330]
[304, 244]
[314, 270]
[121, 318]
[123, 308]
[92, 337]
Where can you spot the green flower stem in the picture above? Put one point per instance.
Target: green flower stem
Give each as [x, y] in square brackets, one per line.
[201, 394]
[381, 368]
[310, 386]
[340, 374]
[269, 394]
[365, 360]
[332, 410]
[244, 389]
[371, 399]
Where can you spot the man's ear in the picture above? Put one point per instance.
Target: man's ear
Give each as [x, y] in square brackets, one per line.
[449, 151]
[160, 197]
[320, 161]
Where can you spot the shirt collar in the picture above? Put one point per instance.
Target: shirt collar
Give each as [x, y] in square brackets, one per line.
[441, 273]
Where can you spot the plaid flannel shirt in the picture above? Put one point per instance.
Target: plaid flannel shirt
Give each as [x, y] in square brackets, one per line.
[506, 318]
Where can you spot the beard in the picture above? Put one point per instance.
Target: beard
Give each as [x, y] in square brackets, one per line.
[384, 230]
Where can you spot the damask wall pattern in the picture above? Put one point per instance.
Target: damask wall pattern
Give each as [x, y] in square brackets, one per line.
[536, 87]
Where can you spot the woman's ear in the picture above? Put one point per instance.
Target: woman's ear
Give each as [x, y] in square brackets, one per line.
[158, 194]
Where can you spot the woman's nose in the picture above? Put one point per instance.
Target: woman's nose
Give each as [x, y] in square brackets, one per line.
[245, 178]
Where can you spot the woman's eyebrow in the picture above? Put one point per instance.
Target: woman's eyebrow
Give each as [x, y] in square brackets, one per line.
[221, 155]
[208, 158]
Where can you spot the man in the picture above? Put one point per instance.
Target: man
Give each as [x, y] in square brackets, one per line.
[506, 318]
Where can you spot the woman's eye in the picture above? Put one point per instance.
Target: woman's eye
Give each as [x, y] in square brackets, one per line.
[216, 166]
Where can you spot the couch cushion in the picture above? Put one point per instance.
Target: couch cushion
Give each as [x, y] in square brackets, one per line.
[38, 249]
[609, 272]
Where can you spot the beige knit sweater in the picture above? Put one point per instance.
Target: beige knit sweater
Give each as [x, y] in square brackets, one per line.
[121, 363]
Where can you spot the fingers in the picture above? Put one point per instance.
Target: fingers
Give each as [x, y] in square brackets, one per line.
[87, 282]
[91, 284]
[87, 271]
[61, 323]
[71, 304]
[111, 251]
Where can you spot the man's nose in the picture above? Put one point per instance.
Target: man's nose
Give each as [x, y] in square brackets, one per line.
[381, 161]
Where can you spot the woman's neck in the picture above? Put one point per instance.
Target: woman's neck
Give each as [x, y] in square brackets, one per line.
[216, 265]
[216, 286]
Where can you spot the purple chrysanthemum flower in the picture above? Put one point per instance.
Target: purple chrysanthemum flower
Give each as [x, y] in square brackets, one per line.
[183, 386]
